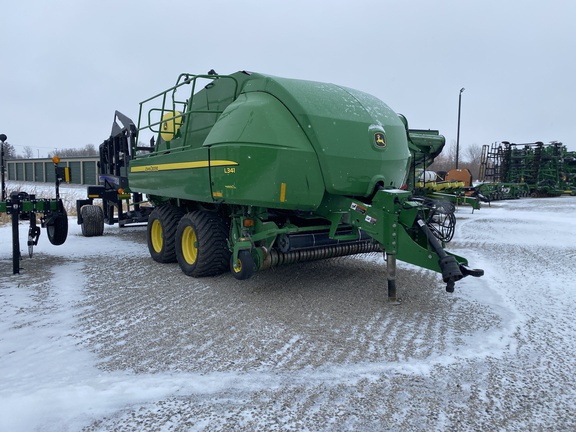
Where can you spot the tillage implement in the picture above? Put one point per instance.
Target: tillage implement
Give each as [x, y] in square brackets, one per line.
[248, 171]
[532, 169]
[24, 206]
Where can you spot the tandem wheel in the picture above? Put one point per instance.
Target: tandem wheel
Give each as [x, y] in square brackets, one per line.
[244, 266]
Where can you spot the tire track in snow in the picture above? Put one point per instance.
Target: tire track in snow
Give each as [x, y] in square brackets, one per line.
[165, 320]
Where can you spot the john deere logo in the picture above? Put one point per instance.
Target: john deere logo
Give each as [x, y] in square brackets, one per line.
[380, 140]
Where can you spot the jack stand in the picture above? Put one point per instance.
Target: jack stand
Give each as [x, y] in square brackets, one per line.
[391, 270]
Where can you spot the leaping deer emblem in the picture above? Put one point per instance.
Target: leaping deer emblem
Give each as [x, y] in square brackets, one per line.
[379, 140]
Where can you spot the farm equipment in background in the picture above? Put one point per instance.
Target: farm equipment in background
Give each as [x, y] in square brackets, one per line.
[532, 169]
[502, 191]
[24, 206]
[454, 186]
[248, 171]
[119, 204]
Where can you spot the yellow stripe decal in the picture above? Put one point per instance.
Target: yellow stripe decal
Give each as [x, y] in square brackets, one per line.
[283, 192]
[182, 165]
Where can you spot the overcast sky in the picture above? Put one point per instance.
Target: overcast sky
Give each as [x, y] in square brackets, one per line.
[66, 65]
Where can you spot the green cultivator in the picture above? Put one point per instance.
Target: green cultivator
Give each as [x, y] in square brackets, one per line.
[249, 171]
[23, 206]
[532, 169]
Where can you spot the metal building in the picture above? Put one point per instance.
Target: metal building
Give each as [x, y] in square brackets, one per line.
[83, 170]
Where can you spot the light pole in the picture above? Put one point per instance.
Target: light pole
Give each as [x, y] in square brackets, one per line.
[3, 138]
[458, 133]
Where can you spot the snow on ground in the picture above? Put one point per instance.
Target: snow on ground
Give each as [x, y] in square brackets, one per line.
[96, 336]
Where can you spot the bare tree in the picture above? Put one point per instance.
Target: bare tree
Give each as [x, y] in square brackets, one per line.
[473, 156]
[87, 150]
[446, 160]
[27, 153]
[468, 159]
[91, 150]
[473, 153]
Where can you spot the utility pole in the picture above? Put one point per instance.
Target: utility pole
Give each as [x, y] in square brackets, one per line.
[458, 133]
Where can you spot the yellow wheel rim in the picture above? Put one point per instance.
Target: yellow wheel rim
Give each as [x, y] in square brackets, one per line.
[189, 245]
[237, 266]
[156, 236]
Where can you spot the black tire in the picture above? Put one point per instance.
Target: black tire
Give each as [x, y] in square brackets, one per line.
[57, 230]
[202, 244]
[161, 232]
[244, 267]
[92, 220]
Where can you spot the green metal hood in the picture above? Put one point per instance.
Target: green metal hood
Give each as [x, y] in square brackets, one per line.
[359, 140]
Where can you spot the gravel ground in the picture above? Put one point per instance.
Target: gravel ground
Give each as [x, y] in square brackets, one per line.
[316, 346]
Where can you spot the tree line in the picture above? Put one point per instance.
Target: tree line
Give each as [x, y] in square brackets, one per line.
[28, 152]
[469, 157]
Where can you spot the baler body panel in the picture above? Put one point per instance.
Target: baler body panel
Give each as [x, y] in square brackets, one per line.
[276, 165]
[183, 173]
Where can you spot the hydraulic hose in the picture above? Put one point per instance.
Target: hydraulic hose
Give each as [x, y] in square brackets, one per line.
[448, 265]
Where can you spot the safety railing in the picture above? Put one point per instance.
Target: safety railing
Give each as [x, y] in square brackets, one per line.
[171, 113]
